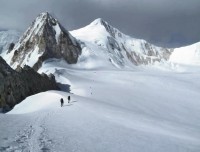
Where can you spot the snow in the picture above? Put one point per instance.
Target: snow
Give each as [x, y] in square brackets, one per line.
[187, 55]
[7, 37]
[129, 108]
[143, 110]
[96, 45]
[34, 28]
[30, 58]
[57, 30]
[33, 103]
[93, 32]
[103, 36]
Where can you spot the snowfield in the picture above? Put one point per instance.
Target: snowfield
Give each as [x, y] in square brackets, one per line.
[140, 110]
[115, 106]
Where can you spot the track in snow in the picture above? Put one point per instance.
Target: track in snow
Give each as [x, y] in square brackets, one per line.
[33, 137]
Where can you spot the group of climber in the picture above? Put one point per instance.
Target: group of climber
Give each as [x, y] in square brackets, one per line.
[62, 101]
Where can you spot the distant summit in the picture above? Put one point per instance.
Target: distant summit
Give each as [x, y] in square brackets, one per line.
[45, 38]
[122, 50]
[97, 21]
[97, 44]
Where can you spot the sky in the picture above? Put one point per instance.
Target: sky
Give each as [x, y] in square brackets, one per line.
[167, 23]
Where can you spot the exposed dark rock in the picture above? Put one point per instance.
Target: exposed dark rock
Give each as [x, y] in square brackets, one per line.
[11, 46]
[15, 86]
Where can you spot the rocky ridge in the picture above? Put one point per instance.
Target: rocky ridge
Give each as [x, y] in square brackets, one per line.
[15, 86]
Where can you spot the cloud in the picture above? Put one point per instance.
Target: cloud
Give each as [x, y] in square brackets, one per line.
[162, 22]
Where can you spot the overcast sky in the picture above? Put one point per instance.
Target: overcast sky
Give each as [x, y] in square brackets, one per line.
[162, 22]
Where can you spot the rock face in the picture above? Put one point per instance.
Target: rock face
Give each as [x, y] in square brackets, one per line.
[44, 39]
[15, 86]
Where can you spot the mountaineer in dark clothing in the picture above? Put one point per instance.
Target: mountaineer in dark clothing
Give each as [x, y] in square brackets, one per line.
[61, 101]
[68, 99]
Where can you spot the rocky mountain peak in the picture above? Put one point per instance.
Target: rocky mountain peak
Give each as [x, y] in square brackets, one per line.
[45, 38]
[44, 14]
[46, 18]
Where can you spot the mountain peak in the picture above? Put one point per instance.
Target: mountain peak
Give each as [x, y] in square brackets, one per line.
[45, 38]
[109, 28]
[44, 14]
[45, 17]
[99, 21]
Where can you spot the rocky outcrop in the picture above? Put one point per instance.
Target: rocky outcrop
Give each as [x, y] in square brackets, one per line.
[11, 46]
[149, 54]
[15, 86]
[45, 38]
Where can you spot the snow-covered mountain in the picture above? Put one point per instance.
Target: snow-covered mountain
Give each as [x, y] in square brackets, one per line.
[95, 45]
[100, 43]
[45, 38]
[120, 48]
[6, 38]
[111, 109]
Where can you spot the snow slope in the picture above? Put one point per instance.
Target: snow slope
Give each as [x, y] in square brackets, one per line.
[121, 50]
[111, 110]
[187, 55]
